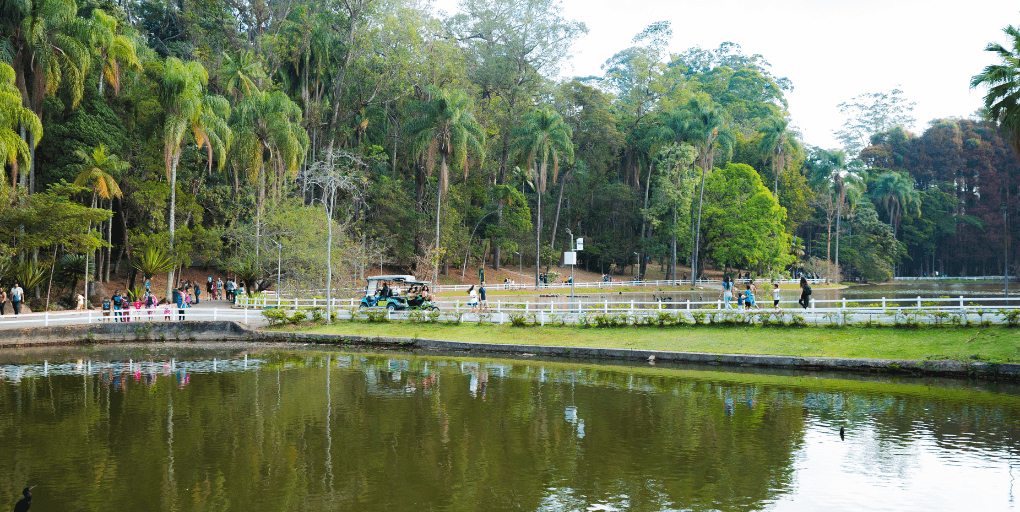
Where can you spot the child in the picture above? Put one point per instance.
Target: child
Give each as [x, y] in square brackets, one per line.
[166, 311]
[775, 295]
[106, 309]
[749, 300]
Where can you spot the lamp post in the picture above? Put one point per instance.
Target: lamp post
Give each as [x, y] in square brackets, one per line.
[520, 265]
[1005, 254]
[279, 261]
[635, 263]
[573, 263]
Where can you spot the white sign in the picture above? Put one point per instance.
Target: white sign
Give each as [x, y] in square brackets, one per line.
[570, 258]
[580, 244]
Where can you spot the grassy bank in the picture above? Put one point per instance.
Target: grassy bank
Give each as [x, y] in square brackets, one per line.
[994, 343]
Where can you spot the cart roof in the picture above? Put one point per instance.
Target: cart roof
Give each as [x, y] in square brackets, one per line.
[401, 278]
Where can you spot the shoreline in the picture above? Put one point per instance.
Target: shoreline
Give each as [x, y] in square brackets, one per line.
[235, 331]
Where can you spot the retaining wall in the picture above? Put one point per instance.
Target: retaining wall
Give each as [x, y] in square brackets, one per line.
[123, 332]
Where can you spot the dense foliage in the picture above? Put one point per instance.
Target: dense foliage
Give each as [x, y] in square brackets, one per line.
[454, 140]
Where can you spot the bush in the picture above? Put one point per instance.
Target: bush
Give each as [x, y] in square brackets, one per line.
[297, 317]
[1011, 316]
[274, 316]
[377, 317]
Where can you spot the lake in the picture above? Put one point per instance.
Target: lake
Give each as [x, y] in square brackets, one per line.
[230, 426]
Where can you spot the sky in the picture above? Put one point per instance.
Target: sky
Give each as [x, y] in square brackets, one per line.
[830, 50]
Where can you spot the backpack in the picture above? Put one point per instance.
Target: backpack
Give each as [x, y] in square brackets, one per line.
[807, 290]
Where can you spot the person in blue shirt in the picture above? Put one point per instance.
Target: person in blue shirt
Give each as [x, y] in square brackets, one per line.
[118, 302]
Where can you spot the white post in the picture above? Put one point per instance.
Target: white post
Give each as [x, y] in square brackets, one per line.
[631, 307]
[918, 301]
[883, 302]
[246, 316]
[46, 318]
[688, 304]
[961, 301]
[844, 303]
[526, 304]
[214, 314]
[541, 317]
[497, 310]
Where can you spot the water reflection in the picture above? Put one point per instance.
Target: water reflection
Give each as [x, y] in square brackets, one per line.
[254, 429]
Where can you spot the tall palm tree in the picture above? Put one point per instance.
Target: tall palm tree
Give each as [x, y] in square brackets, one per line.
[543, 138]
[1002, 102]
[97, 172]
[241, 74]
[50, 46]
[445, 128]
[777, 144]
[831, 174]
[895, 193]
[14, 151]
[703, 125]
[181, 92]
[112, 49]
[267, 132]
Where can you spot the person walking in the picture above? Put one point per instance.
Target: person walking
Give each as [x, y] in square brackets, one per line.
[775, 295]
[80, 306]
[219, 289]
[727, 293]
[17, 295]
[3, 300]
[198, 292]
[805, 293]
[483, 304]
[473, 300]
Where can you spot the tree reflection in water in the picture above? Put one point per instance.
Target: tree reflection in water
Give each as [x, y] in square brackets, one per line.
[196, 428]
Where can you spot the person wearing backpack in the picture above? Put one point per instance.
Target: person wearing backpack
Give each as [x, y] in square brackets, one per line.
[805, 293]
[106, 309]
[117, 303]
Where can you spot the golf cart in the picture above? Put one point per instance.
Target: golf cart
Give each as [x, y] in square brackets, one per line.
[396, 292]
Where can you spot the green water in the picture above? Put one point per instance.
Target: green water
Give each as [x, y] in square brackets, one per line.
[250, 428]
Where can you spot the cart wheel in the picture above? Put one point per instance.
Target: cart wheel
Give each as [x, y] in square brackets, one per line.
[433, 308]
[391, 306]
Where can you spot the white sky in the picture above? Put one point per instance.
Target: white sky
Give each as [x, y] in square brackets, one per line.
[831, 50]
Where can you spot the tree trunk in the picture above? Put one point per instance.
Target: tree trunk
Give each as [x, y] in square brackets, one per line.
[173, 213]
[645, 234]
[556, 221]
[538, 229]
[697, 233]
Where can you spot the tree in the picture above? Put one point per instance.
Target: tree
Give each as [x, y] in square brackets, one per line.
[15, 153]
[113, 49]
[832, 178]
[241, 74]
[445, 127]
[1002, 101]
[97, 173]
[744, 221]
[871, 113]
[703, 125]
[675, 191]
[266, 127]
[895, 193]
[51, 47]
[181, 92]
[777, 144]
[542, 139]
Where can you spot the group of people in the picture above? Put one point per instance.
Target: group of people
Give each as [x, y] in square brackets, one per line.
[16, 296]
[476, 298]
[747, 299]
[118, 307]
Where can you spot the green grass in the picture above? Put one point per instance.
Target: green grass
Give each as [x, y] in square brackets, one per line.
[995, 344]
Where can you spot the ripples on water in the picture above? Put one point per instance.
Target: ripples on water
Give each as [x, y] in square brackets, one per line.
[246, 428]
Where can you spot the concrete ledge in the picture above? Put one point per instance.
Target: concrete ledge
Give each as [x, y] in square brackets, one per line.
[988, 371]
[123, 332]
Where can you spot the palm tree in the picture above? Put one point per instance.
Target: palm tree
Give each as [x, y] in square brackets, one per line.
[831, 174]
[1002, 102]
[542, 138]
[97, 172]
[776, 143]
[181, 91]
[112, 49]
[895, 193]
[703, 125]
[445, 128]
[267, 128]
[14, 151]
[151, 261]
[241, 74]
[50, 46]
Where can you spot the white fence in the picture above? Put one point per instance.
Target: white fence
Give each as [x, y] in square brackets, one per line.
[58, 318]
[611, 284]
[563, 303]
[950, 278]
[881, 310]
